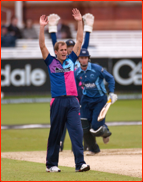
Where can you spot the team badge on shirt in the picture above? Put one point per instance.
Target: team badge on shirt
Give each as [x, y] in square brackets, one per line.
[92, 76]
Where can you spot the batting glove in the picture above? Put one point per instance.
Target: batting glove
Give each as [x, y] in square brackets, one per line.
[88, 22]
[113, 97]
[52, 22]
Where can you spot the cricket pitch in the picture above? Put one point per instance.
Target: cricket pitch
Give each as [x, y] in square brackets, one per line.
[119, 161]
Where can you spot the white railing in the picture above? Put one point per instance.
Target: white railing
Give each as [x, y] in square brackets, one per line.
[102, 44]
[8, 14]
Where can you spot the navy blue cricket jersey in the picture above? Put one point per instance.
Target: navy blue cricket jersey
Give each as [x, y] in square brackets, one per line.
[93, 80]
[62, 75]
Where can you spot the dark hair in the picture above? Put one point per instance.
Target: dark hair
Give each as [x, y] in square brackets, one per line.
[56, 47]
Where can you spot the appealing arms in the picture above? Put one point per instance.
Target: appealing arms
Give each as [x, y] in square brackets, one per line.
[88, 20]
[52, 23]
[77, 16]
[43, 23]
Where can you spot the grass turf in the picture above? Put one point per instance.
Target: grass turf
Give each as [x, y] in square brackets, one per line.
[125, 110]
[14, 170]
[36, 139]
[36, 113]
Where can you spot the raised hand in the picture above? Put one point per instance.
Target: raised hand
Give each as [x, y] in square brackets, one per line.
[43, 20]
[88, 22]
[76, 14]
[53, 19]
[88, 19]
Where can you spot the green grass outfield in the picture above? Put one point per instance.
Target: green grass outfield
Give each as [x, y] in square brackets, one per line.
[14, 170]
[122, 110]
[36, 140]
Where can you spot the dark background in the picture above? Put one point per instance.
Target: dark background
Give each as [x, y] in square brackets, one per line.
[107, 63]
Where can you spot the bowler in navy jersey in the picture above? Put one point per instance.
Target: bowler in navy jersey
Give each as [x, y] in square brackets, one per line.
[64, 104]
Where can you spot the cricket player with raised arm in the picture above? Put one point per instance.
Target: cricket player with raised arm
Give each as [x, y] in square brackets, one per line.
[64, 106]
[93, 100]
[88, 20]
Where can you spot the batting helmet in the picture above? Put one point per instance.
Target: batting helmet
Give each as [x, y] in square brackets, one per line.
[70, 43]
[84, 53]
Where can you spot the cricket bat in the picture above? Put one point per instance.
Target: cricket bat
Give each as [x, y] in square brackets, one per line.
[104, 110]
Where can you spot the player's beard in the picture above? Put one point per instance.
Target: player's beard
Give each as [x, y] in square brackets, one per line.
[84, 65]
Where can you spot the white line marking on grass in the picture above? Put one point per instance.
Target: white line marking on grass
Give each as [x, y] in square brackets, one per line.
[32, 126]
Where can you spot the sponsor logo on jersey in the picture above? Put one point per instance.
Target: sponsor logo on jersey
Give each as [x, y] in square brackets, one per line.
[59, 70]
[66, 63]
[89, 85]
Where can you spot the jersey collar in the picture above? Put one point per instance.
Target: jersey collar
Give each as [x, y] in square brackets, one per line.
[88, 67]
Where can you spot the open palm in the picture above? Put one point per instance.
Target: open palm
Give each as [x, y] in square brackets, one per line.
[76, 14]
[43, 20]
